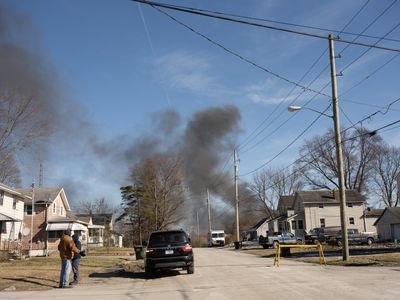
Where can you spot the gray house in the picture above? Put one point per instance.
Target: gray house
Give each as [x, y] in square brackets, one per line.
[388, 224]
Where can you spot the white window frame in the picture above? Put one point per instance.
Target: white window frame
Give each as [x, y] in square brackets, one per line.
[61, 210]
[54, 208]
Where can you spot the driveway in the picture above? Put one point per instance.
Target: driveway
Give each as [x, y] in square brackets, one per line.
[226, 274]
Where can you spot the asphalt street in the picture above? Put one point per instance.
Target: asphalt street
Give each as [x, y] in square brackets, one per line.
[227, 274]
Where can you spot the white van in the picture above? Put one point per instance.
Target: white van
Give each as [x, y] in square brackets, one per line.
[216, 238]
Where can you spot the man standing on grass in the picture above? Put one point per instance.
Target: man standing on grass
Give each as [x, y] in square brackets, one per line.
[67, 248]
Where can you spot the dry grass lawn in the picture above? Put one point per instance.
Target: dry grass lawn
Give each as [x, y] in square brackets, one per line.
[40, 273]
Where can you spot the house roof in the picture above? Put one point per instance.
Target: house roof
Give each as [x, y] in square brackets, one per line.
[287, 201]
[393, 210]
[262, 221]
[84, 218]
[373, 212]
[328, 196]
[11, 191]
[97, 219]
[42, 195]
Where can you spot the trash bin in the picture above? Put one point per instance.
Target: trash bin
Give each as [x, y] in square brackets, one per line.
[285, 252]
[238, 245]
[139, 252]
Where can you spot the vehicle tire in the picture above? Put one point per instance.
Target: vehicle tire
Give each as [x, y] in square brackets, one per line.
[265, 246]
[370, 241]
[190, 269]
[315, 241]
[275, 244]
[299, 241]
[339, 243]
[149, 272]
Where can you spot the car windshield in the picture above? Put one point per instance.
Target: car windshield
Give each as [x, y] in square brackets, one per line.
[167, 238]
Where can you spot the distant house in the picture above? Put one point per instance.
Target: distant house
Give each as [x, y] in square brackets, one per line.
[11, 218]
[258, 229]
[388, 224]
[49, 212]
[101, 230]
[95, 232]
[286, 221]
[369, 217]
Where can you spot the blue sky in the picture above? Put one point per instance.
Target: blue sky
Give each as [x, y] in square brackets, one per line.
[117, 63]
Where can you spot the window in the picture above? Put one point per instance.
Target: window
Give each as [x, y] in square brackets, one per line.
[351, 221]
[322, 222]
[349, 204]
[14, 203]
[61, 210]
[1, 197]
[29, 210]
[54, 234]
[3, 226]
[294, 225]
[54, 208]
[300, 223]
[321, 205]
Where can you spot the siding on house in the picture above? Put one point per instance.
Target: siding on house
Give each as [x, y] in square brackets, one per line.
[388, 225]
[321, 208]
[11, 230]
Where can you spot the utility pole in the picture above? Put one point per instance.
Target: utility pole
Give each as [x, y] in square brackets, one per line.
[209, 212]
[237, 241]
[198, 227]
[339, 153]
[33, 212]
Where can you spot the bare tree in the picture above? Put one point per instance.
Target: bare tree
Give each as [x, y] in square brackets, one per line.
[318, 159]
[386, 173]
[270, 184]
[98, 206]
[159, 188]
[22, 124]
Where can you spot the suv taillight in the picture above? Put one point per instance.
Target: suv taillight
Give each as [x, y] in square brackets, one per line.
[187, 249]
[150, 252]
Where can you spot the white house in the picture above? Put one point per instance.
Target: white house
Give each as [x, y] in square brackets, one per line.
[11, 217]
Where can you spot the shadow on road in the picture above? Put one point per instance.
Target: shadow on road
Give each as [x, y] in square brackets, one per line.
[121, 273]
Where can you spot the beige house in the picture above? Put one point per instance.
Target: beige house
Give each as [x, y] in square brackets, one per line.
[321, 208]
[48, 210]
[11, 217]
[388, 224]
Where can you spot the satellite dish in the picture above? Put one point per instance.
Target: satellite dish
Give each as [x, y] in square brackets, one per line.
[26, 231]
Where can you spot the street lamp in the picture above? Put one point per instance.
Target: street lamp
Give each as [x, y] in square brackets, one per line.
[339, 161]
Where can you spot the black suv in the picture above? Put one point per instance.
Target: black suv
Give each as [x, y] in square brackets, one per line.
[168, 250]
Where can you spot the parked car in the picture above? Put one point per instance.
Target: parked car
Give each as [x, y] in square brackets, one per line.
[320, 234]
[354, 237]
[168, 250]
[279, 238]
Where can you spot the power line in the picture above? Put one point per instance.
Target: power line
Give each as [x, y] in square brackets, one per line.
[290, 24]
[241, 57]
[353, 126]
[288, 146]
[182, 9]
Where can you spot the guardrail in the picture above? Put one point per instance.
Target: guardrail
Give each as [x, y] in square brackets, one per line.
[318, 246]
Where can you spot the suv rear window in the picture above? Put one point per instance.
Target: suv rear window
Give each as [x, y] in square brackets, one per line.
[167, 238]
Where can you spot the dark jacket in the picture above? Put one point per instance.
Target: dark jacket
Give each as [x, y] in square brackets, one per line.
[79, 246]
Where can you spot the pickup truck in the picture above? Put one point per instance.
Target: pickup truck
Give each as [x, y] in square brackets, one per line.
[354, 237]
[320, 234]
[278, 238]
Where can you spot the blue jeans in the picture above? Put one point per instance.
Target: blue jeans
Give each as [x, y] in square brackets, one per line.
[75, 269]
[65, 271]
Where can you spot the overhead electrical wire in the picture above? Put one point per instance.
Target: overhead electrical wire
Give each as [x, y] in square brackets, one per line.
[289, 145]
[156, 5]
[343, 131]
[286, 23]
